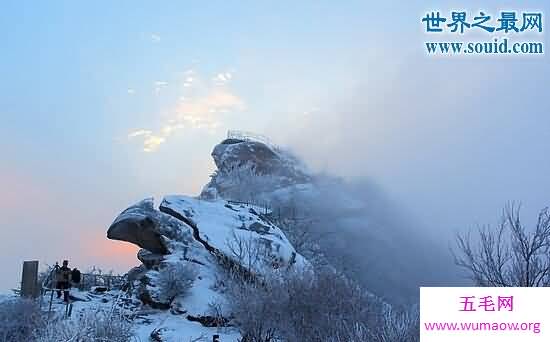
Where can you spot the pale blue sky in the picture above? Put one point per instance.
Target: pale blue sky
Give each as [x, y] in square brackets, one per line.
[86, 87]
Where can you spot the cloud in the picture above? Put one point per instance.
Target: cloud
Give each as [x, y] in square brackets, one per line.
[139, 133]
[152, 142]
[204, 112]
[199, 106]
[222, 78]
[159, 85]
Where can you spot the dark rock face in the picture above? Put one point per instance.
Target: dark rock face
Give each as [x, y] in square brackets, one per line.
[100, 289]
[138, 225]
[159, 235]
[247, 159]
[259, 228]
[150, 260]
[136, 273]
[210, 321]
[147, 299]
[237, 153]
[157, 335]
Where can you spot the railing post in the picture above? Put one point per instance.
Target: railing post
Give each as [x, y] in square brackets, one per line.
[50, 308]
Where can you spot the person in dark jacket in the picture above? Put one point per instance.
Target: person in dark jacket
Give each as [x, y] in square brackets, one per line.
[76, 277]
[63, 276]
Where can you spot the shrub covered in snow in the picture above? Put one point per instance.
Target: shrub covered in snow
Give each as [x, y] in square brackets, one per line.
[176, 280]
[91, 326]
[247, 251]
[399, 326]
[243, 182]
[20, 319]
[313, 307]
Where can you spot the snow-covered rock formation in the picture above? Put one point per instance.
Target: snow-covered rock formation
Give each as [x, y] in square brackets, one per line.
[239, 222]
[248, 169]
[354, 221]
[201, 238]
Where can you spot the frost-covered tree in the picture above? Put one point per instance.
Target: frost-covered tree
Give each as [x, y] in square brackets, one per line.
[398, 325]
[22, 320]
[301, 234]
[99, 324]
[247, 251]
[296, 307]
[509, 254]
[176, 279]
[242, 182]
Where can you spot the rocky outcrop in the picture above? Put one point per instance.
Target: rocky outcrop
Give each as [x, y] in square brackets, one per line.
[249, 160]
[150, 260]
[138, 225]
[235, 152]
[148, 228]
[210, 321]
[204, 235]
[207, 235]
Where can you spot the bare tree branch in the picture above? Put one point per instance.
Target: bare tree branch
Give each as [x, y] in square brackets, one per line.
[509, 255]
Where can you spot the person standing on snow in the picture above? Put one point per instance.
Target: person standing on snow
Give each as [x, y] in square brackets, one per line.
[62, 277]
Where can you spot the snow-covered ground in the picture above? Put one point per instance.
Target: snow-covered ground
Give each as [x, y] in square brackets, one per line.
[4, 296]
[171, 326]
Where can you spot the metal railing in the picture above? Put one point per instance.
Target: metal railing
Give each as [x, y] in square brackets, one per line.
[109, 281]
[263, 207]
[87, 281]
[250, 136]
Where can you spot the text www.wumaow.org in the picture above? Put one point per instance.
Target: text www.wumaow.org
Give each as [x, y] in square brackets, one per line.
[534, 327]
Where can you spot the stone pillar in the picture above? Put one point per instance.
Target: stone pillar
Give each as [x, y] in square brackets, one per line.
[29, 279]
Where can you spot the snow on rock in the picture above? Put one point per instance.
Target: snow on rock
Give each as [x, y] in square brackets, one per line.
[142, 225]
[205, 236]
[221, 225]
[256, 163]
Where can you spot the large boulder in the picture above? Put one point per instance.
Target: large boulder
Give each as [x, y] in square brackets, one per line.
[252, 166]
[206, 236]
[149, 259]
[138, 225]
[231, 153]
